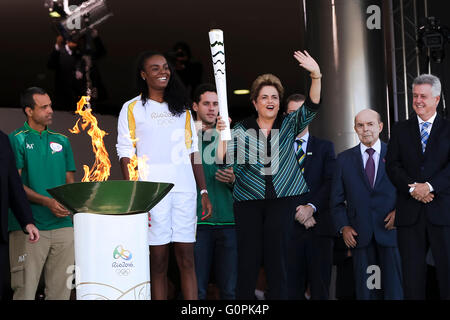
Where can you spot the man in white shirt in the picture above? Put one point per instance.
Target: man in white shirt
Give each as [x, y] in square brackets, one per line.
[363, 207]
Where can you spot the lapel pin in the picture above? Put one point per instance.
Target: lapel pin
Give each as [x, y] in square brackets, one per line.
[309, 153]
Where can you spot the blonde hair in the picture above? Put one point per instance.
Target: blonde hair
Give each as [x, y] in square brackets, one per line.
[266, 80]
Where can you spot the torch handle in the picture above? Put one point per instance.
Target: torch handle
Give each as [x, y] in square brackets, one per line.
[218, 59]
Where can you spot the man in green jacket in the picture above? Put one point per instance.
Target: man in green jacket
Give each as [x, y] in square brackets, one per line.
[216, 236]
[44, 159]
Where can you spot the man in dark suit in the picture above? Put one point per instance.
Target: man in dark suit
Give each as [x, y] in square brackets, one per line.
[75, 66]
[418, 163]
[311, 244]
[362, 204]
[12, 196]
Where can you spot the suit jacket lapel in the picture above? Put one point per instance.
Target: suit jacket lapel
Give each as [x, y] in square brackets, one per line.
[309, 149]
[360, 165]
[415, 136]
[381, 165]
[433, 134]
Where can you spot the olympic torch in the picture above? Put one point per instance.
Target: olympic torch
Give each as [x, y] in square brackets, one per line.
[218, 59]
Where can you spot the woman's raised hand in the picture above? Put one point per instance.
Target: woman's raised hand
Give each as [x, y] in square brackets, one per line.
[307, 62]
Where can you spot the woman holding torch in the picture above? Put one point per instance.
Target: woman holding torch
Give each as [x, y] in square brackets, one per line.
[268, 179]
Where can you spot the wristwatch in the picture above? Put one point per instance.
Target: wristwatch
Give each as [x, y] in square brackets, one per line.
[203, 191]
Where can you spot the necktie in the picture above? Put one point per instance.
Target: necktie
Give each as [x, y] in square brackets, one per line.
[370, 166]
[424, 135]
[300, 154]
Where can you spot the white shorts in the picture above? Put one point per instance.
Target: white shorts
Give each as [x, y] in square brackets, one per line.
[173, 219]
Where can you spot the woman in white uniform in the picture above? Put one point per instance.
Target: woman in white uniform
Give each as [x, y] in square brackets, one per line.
[157, 128]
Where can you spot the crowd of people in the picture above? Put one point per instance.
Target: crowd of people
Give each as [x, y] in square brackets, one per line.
[274, 196]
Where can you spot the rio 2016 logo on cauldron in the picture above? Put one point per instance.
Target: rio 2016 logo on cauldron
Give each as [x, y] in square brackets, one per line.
[120, 252]
[122, 268]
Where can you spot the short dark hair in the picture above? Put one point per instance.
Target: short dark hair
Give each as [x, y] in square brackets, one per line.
[295, 97]
[201, 89]
[183, 46]
[26, 97]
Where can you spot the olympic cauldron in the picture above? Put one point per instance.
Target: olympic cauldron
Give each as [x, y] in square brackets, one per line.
[110, 233]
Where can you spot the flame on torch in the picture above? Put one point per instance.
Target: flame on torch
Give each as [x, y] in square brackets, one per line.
[101, 169]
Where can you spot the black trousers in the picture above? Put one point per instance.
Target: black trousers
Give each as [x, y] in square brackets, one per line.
[310, 261]
[5, 287]
[262, 229]
[413, 244]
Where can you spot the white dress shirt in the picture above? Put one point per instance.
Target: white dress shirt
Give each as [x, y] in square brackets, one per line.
[305, 137]
[430, 121]
[375, 156]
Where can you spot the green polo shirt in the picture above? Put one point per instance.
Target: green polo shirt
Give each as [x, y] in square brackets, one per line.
[219, 193]
[44, 159]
